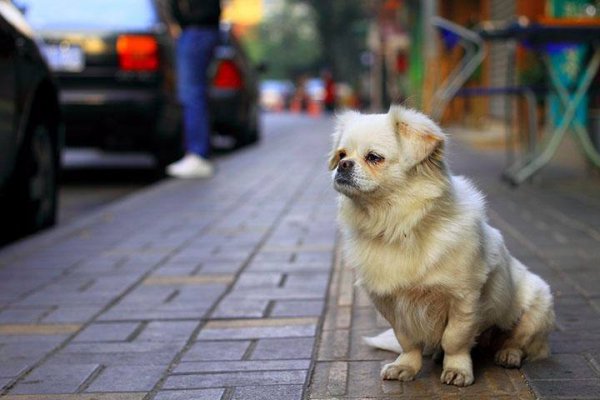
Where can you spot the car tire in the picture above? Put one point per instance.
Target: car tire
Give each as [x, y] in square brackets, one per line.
[250, 132]
[35, 181]
[168, 150]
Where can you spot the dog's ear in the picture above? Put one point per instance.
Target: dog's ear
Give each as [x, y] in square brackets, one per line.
[418, 134]
[341, 121]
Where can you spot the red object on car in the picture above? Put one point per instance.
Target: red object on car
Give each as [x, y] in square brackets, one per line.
[228, 76]
[137, 52]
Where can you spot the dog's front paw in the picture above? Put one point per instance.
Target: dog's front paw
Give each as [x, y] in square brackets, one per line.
[451, 376]
[509, 358]
[402, 373]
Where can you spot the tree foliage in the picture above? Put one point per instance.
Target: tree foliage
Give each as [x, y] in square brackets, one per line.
[306, 36]
[342, 30]
[287, 41]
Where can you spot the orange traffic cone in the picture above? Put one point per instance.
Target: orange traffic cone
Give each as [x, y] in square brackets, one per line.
[314, 109]
[296, 105]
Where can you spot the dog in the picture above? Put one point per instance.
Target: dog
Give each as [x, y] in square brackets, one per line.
[425, 253]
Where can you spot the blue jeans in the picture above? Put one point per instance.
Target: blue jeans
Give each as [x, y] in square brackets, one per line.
[194, 52]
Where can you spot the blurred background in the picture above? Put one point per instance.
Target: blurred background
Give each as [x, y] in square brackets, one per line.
[90, 85]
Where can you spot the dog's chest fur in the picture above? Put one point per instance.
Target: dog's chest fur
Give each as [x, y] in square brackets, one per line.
[423, 312]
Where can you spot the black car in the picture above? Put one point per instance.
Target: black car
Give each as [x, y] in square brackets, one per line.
[234, 92]
[114, 65]
[30, 130]
[114, 61]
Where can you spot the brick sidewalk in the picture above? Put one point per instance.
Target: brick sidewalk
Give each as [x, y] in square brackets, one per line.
[189, 290]
[218, 289]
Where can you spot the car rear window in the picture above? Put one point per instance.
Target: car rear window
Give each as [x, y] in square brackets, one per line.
[89, 14]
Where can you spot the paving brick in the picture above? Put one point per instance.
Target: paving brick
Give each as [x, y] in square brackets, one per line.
[220, 267]
[337, 378]
[236, 379]
[231, 366]
[28, 345]
[166, 303]
[4, 382]
[168, 331]
[194, 312]
[181, 269]
[78, 396]
[329, 380]
[145, 295]
[106, 332]
[295, 308]
[240, 308]
[264, 322]
[270, 266]
[72, 314]
[561, 366]
[335, 345]
[283, 348]
[258, 280]
[201, 394]
[23, 315]
[216, 350]
[369, 317]
[38, 329]
[53, 378]
[13, 367]
[569, 345]
[310, 293]
[567, 389]
[282, 257]
[338, 318]
[129, 378]
[107, 353]
[279, 392]
[188, 280]
[258, 332]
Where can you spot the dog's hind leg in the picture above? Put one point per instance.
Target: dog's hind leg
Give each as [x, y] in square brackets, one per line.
[529, 337]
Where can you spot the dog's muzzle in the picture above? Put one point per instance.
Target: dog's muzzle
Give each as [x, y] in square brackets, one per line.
[343, 175]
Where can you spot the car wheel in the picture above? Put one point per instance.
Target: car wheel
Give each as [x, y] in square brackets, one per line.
[168, 150]
[250, 132]
[36, 181]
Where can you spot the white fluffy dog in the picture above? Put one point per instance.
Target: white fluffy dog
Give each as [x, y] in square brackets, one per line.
[424, 252]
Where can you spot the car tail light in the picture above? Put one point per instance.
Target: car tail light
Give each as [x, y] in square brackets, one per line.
[137, 53]
[228, 76]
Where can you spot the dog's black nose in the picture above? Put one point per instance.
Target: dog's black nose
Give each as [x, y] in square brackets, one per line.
[346, 165]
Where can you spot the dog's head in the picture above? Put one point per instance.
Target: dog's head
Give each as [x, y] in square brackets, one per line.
[379, 153]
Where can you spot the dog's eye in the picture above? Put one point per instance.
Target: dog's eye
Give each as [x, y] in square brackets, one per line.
[373, 158]
[342, 155]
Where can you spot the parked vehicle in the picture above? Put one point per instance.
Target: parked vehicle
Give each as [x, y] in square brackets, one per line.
[30, 142]
[234, 95]
[114, 61]
[114, 64]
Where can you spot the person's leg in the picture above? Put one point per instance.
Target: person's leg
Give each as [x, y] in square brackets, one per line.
[194, 53]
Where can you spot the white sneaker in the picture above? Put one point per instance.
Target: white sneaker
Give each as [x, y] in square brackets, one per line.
[190, 166]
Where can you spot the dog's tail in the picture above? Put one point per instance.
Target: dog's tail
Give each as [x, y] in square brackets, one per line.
[385, 341]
